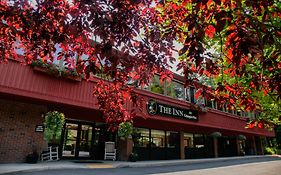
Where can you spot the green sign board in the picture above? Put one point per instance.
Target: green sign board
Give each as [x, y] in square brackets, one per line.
[156, 108]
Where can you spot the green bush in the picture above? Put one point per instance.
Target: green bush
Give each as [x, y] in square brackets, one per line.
[54, 122]
[133, 157]
[125, 129]
[270, 151]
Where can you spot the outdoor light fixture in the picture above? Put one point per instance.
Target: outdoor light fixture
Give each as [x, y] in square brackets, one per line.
[216, 134]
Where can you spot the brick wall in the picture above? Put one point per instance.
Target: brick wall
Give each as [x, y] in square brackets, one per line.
[17, 130]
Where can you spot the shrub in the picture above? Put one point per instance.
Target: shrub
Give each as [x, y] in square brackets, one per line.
[125, 129]
[133, 157]
[32, 158]
[269, 150]
[54, 122]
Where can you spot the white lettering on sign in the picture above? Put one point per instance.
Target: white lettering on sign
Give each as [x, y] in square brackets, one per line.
[189, 116]
[177, 112]
[165, 110]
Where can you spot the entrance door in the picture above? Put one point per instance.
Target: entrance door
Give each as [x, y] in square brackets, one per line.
[85, 140]
[77, 140]
[101, 135]
[69, 148]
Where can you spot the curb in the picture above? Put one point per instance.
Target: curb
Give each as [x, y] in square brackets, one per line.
[180, 162]
[39, 169]
[133, 164]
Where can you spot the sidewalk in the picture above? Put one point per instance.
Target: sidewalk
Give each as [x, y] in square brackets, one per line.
[68, 164]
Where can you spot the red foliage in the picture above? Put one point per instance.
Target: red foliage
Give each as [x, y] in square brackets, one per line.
[132, 40]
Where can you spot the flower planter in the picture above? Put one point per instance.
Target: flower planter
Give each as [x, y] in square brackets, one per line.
[55, 73]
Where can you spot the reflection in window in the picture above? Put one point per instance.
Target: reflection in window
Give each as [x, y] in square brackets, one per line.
[156, 86]
[198, 140]
[188, 140]
[141, 137]
[200, 100]
[157, 138]
[175, 90]
[172, 139]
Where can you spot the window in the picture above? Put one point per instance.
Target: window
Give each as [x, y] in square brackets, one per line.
[210, 103]
[192, 93]
[172, 139]
[175, 90]
[220, 106]
[141, 137]
[157, 138]
[156, 87]
[198, 140]
[188, 140]
[187, 94]
[239, 113]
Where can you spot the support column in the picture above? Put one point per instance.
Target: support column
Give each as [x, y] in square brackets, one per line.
[216, 154]
[254, 145]
[259, 145]
[125, 148]
[238, 144]
[262, 146]
[182, 150]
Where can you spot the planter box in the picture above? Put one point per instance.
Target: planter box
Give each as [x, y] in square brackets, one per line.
[47, 71]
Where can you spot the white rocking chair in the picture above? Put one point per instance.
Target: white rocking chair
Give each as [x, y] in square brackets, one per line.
[109, 151]
[51, 154]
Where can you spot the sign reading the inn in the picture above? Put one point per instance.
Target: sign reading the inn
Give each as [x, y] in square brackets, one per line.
[155, 108]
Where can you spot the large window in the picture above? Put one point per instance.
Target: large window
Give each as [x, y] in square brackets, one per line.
[175, 90]
[156, 86]
[141, 137]
[157, 138]
[188, 140]
[172, 139]
[199, 140]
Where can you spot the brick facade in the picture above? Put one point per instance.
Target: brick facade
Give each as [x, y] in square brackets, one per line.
[17, 130]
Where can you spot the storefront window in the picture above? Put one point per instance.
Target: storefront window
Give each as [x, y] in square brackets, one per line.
[175, 90]
[198, 140]
[172, 139]
[141, 137]
[188, 140]
[157, 138]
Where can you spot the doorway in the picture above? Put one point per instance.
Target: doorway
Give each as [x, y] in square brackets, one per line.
[84, 140]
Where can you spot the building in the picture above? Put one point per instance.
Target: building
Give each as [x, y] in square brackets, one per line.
[172, 130]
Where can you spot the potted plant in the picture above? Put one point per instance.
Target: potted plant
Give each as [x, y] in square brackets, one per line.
[54, 122]
[33, 156]
[125, 130]
[133, 157]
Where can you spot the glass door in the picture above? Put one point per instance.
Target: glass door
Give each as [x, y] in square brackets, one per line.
[70, 140]
[85, 141]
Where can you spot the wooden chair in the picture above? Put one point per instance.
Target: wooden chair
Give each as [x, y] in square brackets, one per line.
[110, 151]
[51, 154]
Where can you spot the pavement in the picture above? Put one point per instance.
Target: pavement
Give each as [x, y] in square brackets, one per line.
[70, 164]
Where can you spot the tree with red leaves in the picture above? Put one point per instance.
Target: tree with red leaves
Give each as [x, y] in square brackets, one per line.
[131, 40]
